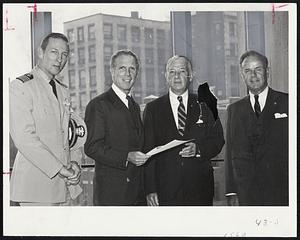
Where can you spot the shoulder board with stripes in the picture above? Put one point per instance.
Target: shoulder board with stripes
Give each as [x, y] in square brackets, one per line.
[26, 77]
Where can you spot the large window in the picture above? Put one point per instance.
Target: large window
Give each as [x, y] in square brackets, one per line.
[107, 51]
[149, 55]
[71, 35]
[81, 55]
[80, 34]
[92, 53]
[92, 73]
[72, 79]
[135, 34]
[121, 30]
[108, 31]
[149, 36]
[82, 80]
[91, 31]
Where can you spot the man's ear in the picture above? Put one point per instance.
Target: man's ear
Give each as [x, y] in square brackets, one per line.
[40, 52]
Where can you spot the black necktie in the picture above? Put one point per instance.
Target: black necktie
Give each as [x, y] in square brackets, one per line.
[131, 105]
[181, 116]
[257, 106]
[52, 83]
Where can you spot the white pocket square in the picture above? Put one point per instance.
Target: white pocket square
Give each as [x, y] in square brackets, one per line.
[199, 121]
[280, 115]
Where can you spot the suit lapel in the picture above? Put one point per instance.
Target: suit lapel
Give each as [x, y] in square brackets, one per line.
[168, 115]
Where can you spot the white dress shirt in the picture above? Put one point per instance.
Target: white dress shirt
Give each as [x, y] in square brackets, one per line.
[120, 94]
[262, 97]
[175, 103]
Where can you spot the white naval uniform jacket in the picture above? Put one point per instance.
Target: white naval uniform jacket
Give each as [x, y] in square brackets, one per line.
[39, 129]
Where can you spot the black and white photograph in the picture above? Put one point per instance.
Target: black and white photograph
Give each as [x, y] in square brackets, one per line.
[150, 119]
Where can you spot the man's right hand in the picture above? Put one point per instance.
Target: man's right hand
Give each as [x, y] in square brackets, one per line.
[137, 158]
[232, 200]
[66, 172]
[152, 199]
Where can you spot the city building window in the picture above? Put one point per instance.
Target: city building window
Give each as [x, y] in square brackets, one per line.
[82, 82]
[107, 76]
[71, 35]
[92, 53]
[73, 101]
[148, 35]
[234, 72]
[233, 49]
[92, 73]
[161, 36]
[93, 94]
[150, 80]
[232, 29]
[121, 30]
[161, 56]
[82, 100]
[81, 57]
[149, 55]
[91, 31]
[80, 34]
[135, 34]
[107, 51]
[72, 57]
[162, 80]
[72, 80]
[108, 31]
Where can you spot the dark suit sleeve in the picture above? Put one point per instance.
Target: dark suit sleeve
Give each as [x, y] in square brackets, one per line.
[214, 140]
[229, 178]
[96, 145]
[149, 143]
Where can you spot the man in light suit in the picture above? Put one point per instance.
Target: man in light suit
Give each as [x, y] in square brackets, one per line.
[43, 174]
[115, 137]
[256, 161]
[181, 176]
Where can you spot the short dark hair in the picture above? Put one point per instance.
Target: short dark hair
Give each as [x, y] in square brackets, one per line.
[53, 35]
[253, 53]
[124, 52]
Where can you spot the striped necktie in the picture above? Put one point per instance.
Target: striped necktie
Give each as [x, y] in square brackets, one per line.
[257, 106]
[181, 116]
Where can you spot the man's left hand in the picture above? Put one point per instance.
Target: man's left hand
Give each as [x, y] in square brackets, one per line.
[75, 178]
[189, 150]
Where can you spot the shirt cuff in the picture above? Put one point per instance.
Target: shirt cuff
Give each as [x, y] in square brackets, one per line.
[230, 194]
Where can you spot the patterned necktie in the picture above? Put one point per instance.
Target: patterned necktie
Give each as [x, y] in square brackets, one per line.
[257, 106]
[181, 116]
[52, 83]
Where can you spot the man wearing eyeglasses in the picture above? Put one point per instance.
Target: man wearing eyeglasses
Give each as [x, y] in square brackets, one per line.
[181, 176]
[115, 137]
[256, 162]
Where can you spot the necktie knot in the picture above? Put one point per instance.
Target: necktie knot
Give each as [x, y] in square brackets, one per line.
[179, 99]
[256, 97]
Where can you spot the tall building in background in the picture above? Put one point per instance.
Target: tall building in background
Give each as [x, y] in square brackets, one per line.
[93, 40]
[215, 52]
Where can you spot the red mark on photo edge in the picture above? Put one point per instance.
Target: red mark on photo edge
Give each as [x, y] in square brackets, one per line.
[34, 10]
[273, 10]
[7, 28]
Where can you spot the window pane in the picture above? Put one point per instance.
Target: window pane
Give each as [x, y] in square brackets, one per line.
[73, 101]
[161, 37]
[92, 72]
[148, 35]
[82, 82]
[107, 51]
[149, 55]
[135, 34]
[107, 76]
[121, 33]
[107, 31]
[80, 34]
[82, 100]
[72, 57]
[93, 94]
[72, 80]
[81, 57]
[71, 35]
[92, 53]
[91, 31]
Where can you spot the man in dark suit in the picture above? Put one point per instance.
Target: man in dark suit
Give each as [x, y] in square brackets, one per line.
[183, 175]
[256, 161]
[115, 137]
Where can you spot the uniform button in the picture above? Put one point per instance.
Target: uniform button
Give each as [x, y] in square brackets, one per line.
[127, 180]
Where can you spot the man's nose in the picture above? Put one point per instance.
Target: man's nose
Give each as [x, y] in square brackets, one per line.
[59, 58]
[253, 73]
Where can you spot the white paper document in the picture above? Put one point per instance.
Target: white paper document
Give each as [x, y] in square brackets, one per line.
[167, 146]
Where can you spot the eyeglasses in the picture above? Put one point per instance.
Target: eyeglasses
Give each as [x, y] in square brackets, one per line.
[181, 73]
